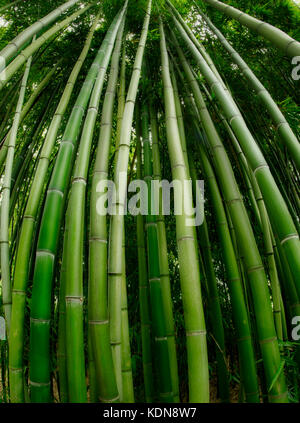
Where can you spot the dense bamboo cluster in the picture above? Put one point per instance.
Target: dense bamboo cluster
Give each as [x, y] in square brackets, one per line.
[146, 307]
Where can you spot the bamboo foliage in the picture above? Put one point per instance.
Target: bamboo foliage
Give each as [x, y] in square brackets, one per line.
[11, 49]
[7, 73]
[280, 39]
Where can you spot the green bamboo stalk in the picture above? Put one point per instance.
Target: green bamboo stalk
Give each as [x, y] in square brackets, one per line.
[143, 281]
[197, 43]
[6, 192]
[115, 269]
[187, 253]
[48, 236]
[27, 231]
[127, 380]
[7, 73]
[213, 301]
[74, 274]
[13, 47]
[245, 238]
[7, 6]
[156, 298]
[278, 38]
[28, 107]
[239, 307]
[282, 126]
[277, 210]
[99, 324]
[163, 261]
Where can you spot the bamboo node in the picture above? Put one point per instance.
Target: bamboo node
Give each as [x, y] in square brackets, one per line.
[98, 322]
[287, 238]
[268, 340]
[199, 332]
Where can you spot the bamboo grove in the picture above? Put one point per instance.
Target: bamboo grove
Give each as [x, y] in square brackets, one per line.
[149, 307]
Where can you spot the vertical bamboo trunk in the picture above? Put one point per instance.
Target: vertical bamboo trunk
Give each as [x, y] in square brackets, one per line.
[29, 223]
[98, 308]
[6, 191]
[187, 253]
[245, 237]
[48, 237]
[115, 266]
[156, 298]
[163, 262]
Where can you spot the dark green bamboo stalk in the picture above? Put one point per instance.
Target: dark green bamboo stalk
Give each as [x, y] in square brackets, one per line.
[49, 232]
[277, 210]
[143, 282]
[6, 192]
[155, 291]
[27, 232]
[239, 307]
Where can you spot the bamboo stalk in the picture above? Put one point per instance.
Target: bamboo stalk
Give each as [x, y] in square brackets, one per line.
[6, 193]
[282, 126]
[98, 311]
[278, 38]
[27, 232]
[245, 238]
[143, 281]
[115, 269]
[48, 237]
[187, 254]
[12, 48]
[279, 216]
[7, 73]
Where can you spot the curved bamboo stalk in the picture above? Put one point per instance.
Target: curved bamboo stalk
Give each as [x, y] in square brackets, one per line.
[245, 238]
[13, 47]
[278, 38]
[27, 230]
[143, 281]
[187, 254]
[10, 70]
[6, 192]
[27, 108]
[74, 274]
[282, 126]
[279, 215]
[48, 237]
